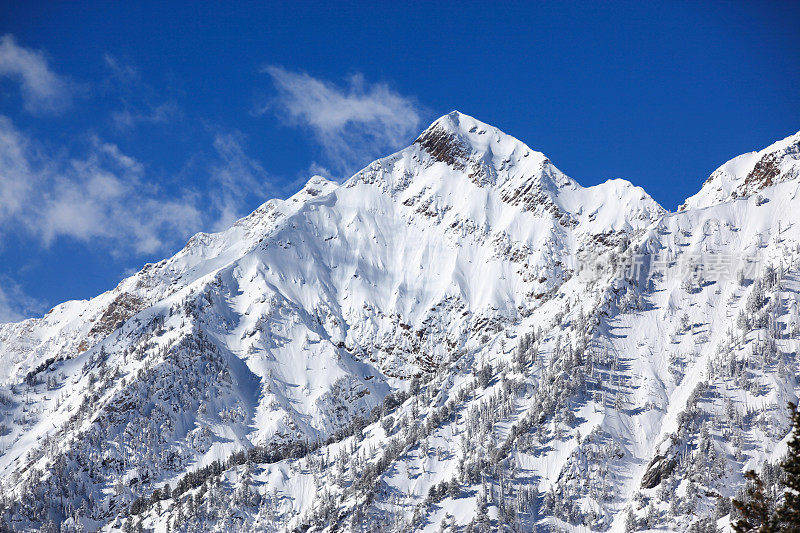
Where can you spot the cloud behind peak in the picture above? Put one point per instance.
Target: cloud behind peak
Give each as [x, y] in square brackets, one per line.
[352, 124]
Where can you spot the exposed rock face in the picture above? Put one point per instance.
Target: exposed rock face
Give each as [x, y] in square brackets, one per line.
[120, 310]
[763, 174]
[444, 146]
[657, 471]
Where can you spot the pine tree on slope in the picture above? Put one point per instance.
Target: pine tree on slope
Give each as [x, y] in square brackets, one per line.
[789, 512]
[754, 510]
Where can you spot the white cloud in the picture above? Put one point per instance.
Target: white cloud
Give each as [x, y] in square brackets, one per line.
[15, 305]
[100, 196]
[43, 91]
[104, 197]
[15, 175]
[352, 124]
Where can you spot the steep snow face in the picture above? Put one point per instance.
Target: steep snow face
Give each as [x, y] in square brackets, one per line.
[750, 173]
[462, 325]
[410, 260]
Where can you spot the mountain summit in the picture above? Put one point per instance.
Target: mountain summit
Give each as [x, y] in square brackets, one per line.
[458, 336]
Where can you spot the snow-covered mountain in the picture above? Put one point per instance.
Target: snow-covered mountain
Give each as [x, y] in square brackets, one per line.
[458, 336]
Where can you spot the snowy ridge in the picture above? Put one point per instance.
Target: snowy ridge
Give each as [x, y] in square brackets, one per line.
[750, 173]
[459, 333]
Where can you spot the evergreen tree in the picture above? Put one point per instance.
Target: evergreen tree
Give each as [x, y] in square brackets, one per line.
[755, 513]
[630, 522]
[789, 512]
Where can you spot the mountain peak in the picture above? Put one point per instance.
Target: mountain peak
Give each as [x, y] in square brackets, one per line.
[461, 141]
[317, 185]
[464, 126]
[450, 121]
[488, 159]
[750, 173]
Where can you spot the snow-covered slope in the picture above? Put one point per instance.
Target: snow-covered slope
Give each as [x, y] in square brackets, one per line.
[458, 333]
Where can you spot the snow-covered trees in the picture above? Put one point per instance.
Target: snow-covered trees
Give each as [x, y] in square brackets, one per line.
[789, 510]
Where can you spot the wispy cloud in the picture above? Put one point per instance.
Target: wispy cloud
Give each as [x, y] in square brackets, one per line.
[105, 197]
[101, 195]
[159, 114]
[139, 102]
[42, 90]
[121, 72]
[353, 124]
[236, 176]
[15, 305]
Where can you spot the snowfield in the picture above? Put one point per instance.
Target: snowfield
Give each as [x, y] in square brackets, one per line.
[459, 337]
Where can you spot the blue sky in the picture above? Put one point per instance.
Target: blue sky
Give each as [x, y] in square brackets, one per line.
[126, 129]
